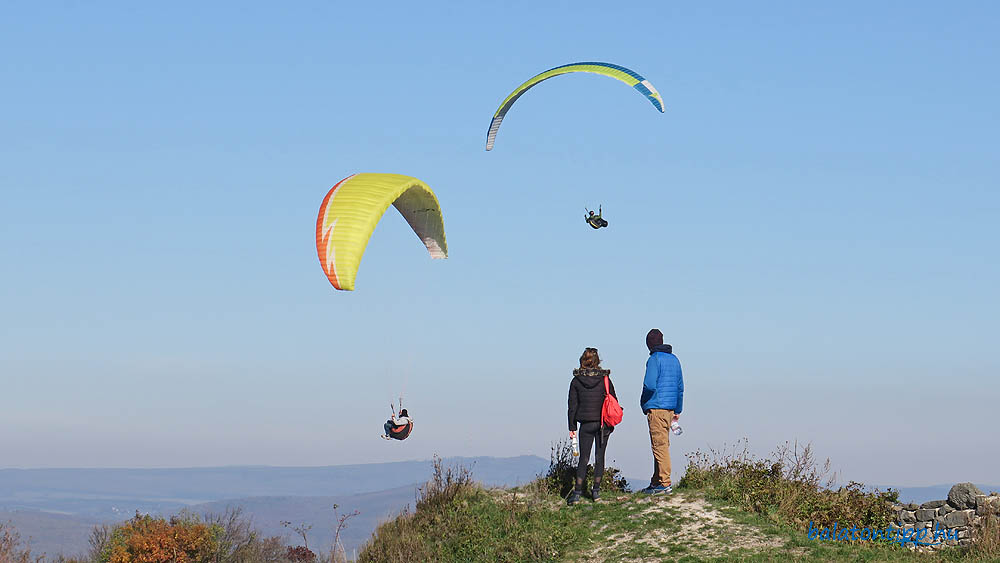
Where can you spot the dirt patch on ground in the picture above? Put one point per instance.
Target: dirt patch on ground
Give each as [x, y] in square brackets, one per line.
[658, 527]
[695, 529]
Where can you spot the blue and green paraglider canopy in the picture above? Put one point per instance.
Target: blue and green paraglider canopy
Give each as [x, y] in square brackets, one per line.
[630, 77]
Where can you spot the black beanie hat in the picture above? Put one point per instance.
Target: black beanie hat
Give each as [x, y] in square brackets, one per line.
[654, 338]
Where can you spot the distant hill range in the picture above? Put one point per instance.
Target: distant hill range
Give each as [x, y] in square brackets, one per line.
[57, 508]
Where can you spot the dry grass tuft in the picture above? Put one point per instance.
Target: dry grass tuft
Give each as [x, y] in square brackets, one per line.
[789, 486]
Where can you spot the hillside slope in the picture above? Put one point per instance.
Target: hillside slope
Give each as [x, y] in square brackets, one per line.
[471, 523]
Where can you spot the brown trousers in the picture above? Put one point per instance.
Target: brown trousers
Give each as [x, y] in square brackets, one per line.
[659, 437]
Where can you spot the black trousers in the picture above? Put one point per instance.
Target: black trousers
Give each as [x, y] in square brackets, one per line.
[589, 433]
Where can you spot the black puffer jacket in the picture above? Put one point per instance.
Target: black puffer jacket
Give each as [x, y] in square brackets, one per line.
[586, 395]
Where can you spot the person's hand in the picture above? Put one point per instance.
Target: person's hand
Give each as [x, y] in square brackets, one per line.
[572, 433]
[677, 417]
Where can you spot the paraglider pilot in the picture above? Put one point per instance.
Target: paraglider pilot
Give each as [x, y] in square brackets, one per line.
[595, 221]
[396, 423]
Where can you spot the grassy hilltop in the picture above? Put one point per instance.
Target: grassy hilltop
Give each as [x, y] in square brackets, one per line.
[728, 507]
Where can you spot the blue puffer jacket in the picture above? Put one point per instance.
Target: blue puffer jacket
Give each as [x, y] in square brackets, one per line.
[663, 386]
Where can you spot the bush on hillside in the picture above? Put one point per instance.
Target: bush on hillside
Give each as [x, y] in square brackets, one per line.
[790, 486]
[241, 542]
[10, 546]
[561, 477]
[229, 537]
[300, 554]
[986, 537]
[146, 539]
[445, 484]
[456, 519]
[226, 537]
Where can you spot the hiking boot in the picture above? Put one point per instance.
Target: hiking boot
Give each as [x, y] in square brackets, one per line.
[595, 494]
[573, 498]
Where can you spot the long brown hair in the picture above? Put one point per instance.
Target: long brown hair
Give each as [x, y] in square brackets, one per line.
[590, 359]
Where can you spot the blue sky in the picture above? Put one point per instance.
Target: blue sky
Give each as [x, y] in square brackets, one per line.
[812, 223]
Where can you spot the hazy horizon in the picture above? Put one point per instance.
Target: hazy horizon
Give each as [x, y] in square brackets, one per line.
[633, 479]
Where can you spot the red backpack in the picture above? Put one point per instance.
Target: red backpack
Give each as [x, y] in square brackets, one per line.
[611, 412]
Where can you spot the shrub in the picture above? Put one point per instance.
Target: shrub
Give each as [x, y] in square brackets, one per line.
[300, 554]
[224, 538]
[145, 539]
[561, 476]
[240, 542]
[406, 538]
[10, 546]
[444, 485]
[986, 536]
[789, 486]
[458, 520]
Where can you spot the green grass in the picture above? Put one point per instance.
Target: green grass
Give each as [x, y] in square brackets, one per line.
[796, 542]
[790, 485]
[489, 526]
[458, 520]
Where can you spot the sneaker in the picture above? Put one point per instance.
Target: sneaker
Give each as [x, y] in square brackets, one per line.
[595, 494]
[658, 490]
[573, 498]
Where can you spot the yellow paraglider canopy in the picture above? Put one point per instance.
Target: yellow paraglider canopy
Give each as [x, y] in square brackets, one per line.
[352, 209]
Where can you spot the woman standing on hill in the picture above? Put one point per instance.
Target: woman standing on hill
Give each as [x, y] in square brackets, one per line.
[586, 400]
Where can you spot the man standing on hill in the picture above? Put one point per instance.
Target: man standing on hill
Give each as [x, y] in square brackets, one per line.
[662, 401]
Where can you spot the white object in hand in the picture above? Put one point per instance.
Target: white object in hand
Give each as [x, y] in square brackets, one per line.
[576, 446]
[675, 427]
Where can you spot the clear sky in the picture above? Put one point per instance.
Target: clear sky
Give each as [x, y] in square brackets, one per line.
[813, 223]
